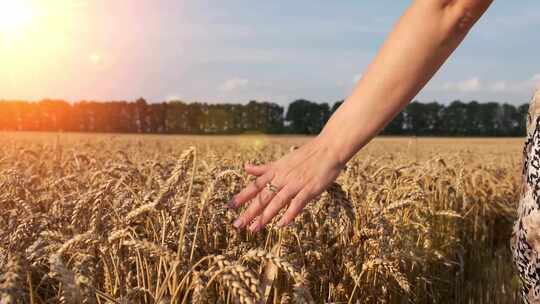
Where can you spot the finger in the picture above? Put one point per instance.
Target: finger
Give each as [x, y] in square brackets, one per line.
[254, 209]
[256, 170]
[297, 204]
[272, 209]
[250, 191]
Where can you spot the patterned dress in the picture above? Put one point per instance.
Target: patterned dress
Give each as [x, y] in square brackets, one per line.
[526, 235]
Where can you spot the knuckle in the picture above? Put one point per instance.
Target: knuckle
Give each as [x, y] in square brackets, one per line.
[300, 178]
[260, 201]
[314, 189]
[250, 213]
[264, 197]
[286, 196]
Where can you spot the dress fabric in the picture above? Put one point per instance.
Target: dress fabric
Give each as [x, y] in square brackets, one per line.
[525, 242]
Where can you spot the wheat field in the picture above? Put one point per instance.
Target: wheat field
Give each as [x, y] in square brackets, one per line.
[142, 219]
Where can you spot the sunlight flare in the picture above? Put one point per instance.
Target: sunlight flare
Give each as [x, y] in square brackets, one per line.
[38, 40]
[15, 17]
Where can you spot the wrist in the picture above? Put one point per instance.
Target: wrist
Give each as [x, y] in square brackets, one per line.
[336, 151]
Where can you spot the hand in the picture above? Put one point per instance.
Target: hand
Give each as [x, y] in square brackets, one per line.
[298, 177]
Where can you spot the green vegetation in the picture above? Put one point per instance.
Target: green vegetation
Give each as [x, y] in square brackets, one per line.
[301, 117]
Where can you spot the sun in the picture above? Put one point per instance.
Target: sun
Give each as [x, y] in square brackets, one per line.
[15, 17]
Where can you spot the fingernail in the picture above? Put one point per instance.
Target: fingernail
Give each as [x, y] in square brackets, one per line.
[238, 223]
[254, 227]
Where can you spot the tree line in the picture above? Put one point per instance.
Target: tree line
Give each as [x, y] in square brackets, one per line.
[301, 117]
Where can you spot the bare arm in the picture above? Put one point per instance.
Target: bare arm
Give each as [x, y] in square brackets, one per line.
[422, 40]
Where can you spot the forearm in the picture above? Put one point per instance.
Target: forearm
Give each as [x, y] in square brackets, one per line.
[422, 40]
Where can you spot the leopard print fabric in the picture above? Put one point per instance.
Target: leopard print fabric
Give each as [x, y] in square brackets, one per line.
[525, 242]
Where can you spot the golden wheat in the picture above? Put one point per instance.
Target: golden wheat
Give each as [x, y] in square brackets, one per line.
[142, 219]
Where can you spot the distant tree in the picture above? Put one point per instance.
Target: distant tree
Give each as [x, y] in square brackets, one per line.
[306, 117]
[10, 118]
[490, 123]
[396, 126]
[510, 120]
[302, 117]
[157, 118]
[473, 122]
[117, 116]
[261, 117]
[454, 119]
[84, 117]
[177, 118]
[270, 117]
[141, 116]
[219, 119]
[523, 114]
[422, 118]
[55, 115]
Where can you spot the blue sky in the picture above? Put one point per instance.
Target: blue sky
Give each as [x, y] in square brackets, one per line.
[238, 50]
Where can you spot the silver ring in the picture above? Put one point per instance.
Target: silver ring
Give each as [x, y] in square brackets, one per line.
[271, 188]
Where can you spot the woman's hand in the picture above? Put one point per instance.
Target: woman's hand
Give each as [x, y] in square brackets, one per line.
[298, 177]
[407, 60]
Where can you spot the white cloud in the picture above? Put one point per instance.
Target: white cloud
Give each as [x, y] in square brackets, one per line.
[526, 85]
[475, 84]
[233, 84]
[173, 97]
[469, 85]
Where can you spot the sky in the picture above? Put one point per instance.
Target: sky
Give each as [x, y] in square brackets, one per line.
[238, 50]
